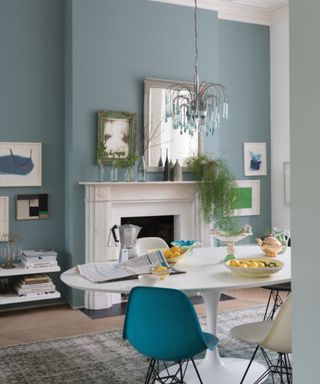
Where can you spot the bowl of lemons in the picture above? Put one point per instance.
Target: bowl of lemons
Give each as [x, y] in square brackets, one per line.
[176, 253]
[254, 267]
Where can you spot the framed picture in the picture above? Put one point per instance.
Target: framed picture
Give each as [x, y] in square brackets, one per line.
[20, 164]
[286, 172]
[4, 216]
[254, 159]
[32, 206]
[248, 198]
[117, 131]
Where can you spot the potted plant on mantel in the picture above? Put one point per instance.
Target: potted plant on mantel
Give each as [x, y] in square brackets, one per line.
[216, 186]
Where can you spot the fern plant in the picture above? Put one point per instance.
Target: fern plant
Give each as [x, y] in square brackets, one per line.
[217, 190]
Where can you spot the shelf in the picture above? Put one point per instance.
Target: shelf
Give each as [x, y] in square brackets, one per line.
[10, 298]
[19, 270]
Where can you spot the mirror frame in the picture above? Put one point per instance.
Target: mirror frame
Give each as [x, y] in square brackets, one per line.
[152, 82]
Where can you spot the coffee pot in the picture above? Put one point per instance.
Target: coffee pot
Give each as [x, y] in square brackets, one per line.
[128, 234]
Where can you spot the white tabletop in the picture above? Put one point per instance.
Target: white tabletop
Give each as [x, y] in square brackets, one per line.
[204, 271]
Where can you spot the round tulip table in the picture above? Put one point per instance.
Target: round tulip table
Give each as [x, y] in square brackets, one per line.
[205, 274]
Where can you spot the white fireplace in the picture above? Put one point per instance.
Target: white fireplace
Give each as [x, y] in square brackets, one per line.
[107, 203]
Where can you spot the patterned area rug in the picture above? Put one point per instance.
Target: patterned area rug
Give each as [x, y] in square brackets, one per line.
[101, 358]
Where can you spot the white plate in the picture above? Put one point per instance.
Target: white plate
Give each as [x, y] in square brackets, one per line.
[256, 272]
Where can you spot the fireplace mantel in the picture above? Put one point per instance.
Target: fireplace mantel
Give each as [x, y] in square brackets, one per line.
[106, 203]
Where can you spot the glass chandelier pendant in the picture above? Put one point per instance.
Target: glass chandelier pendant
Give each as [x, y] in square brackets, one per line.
[200, 106]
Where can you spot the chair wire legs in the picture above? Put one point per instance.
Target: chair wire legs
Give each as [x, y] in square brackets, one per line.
[165, 374]
[282, 367]
[277, 300]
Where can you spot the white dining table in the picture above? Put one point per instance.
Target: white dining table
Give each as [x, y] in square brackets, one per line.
[205, 274]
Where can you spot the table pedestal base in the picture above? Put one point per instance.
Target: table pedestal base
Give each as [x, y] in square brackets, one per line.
[229, 371]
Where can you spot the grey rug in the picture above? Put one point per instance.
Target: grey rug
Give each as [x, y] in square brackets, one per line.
[101, 358]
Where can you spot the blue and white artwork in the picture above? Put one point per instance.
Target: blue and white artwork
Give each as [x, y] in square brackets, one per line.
[20, 164]
[255, 161]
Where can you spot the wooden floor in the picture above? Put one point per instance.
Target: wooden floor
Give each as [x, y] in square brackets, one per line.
[30, 325]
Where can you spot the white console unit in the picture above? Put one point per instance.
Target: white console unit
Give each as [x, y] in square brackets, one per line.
[12, 297]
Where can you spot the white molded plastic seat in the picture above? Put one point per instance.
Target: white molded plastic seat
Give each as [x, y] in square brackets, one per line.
[274, 335]
[143, 244]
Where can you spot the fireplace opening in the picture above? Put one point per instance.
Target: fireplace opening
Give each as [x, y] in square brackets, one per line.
[153, 226]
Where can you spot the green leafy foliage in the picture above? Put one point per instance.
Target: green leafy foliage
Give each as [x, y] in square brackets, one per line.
[100, 150]
[216, 185]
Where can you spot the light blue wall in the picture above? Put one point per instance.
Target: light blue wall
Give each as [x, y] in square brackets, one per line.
[32, 106]
[108, 47]
[244, 68]
[305, 186]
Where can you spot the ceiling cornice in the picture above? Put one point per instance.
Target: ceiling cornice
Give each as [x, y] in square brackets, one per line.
[265, 12]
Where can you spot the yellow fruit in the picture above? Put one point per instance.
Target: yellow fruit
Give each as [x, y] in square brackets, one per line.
[253, 264]
[235, 263]
[167, 253]
[175, 254]
[161, 269]
[260, 264]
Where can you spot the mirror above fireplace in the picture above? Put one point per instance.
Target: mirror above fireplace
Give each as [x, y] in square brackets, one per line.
[159, 135]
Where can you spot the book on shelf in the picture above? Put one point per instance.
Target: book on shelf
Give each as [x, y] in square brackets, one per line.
[39, 252]
[38, 258]
[35, 278]
[39, 264]
[24, 291]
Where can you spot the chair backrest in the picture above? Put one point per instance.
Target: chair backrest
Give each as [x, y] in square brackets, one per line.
[279, 337]
[162, 324]
[145, 243]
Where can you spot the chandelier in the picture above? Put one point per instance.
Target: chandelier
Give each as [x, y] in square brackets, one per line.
[197, 107]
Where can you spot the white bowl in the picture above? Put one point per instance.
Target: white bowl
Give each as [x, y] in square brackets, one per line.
[149, 279]
[256, 272]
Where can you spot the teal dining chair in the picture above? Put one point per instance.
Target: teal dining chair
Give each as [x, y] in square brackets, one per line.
[162, 324]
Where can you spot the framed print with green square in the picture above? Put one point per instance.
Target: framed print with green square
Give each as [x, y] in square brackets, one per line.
[248, 198]
[117, 131]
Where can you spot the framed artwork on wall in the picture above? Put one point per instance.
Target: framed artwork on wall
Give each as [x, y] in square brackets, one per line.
[4, 216]
[20, 164]
[32, 206]
[117, 131]
[286, 171]
[248, 198]
[254, 159]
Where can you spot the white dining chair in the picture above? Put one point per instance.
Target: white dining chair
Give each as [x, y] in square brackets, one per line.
[143, 244]
[273, 335]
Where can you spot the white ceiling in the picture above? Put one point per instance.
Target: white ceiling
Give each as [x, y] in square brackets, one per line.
[264, 12]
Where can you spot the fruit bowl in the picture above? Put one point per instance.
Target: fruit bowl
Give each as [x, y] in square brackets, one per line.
[263, 266]
[175, 253]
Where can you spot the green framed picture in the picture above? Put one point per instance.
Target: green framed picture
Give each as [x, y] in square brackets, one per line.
[248, 198]
[116, 137]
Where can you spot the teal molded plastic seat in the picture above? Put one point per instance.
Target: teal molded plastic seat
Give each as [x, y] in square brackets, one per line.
[162, 324]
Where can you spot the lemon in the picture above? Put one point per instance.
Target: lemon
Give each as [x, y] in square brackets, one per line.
[235, 263]
[253, 264]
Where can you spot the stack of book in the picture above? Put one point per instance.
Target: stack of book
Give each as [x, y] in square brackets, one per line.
[39, 258]
[34, 285]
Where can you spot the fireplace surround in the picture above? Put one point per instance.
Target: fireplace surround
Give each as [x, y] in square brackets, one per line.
[106, 203]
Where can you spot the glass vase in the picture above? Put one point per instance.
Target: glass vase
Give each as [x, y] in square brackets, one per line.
[100, 172]
[128, 174]
[141, 170]
[114, 172]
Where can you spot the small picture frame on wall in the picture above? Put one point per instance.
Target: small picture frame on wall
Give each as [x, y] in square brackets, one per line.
[20, 164]
[248, 198]
[254, 159]
[117, 131]
[4, 216]
[32, 206]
